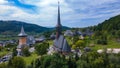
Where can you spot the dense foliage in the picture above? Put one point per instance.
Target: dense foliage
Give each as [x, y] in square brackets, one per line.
[113, 24]
[14, 52]
[110, 27]
[25, 51]
[16, 62]
[87, 60]
[1, 48]
[95, 60]
[3, 65]
[50, 61]
[41, 48]
[79, 44]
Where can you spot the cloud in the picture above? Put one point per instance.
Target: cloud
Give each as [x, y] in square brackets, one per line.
[74, 13]
[3, 1]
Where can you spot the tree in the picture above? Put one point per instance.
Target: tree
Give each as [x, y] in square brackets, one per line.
[98, 63]
[14, 52]
[50, 61]
[118, 34]
[1, 48]
[82, 64]
[75, 39]
[58, 62]
[16, 62]
[72, 62]
[25, 51]
[36, 63]
[79, 44]
[10, 45]
[41, 48]
[102, 40]
[3, 65]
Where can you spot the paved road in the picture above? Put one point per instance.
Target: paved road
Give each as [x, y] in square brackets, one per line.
[6, 58]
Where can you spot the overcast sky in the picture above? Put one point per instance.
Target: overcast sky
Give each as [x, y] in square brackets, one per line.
[74, 13]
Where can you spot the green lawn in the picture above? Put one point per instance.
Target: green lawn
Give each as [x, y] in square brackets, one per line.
[31, 58]
[111, 44]
[50, 42]
[2, 53]
[28, 60]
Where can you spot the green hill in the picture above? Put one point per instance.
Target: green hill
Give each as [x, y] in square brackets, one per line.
[109, 28]
[15, 26]
[112, 24]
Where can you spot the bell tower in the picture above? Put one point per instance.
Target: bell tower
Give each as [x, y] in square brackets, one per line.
[22, 37]
[22, 41]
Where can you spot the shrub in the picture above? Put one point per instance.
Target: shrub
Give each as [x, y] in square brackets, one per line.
[41, 48]
[17, 62]
[103, 42]
[25, 51]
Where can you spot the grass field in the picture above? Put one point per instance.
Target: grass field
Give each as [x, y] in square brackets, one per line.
[5, 52]
[2, 53]
[50, 42]
[31, 58]
[111, 44]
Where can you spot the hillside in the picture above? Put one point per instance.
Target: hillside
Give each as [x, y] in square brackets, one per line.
[112, 24]
[15, 26]
[108, 29]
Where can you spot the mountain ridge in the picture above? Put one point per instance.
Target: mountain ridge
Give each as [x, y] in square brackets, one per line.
[112, 23]
[13, 26]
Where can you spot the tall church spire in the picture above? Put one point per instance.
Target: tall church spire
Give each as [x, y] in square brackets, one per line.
[58, 26]
[58, 20]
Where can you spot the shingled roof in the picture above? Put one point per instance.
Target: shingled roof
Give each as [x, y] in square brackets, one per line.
[61, 44]
[22, 33]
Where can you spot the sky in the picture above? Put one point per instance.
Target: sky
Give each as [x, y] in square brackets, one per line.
[74, 13]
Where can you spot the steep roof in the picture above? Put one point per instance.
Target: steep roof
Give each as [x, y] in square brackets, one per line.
[61, 44]
[22, 33]
[66, 47]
